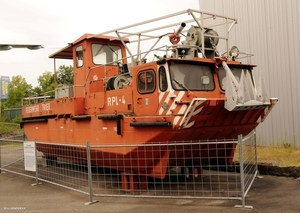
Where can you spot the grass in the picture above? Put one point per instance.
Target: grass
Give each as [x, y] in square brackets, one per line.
[279, 156]
[9, 128]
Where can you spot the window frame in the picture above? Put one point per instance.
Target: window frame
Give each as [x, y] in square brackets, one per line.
[238, 77]
[98, 60]
[146, 87]
[163, 81]
[79, 58]
[182, 85]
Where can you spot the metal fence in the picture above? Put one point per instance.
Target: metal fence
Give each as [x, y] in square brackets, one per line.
[10, 114]
[212, 179]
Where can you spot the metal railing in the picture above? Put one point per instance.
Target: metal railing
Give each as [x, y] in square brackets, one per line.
[213, 179]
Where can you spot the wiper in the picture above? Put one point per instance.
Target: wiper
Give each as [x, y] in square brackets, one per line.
[179, 84]
[182, 86]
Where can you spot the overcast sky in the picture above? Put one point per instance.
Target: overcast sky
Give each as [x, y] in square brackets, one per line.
[58, 22]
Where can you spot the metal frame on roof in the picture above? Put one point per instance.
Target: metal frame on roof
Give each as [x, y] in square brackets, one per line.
[149, 33]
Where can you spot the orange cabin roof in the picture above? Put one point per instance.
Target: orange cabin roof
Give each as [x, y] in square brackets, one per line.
[66, 52]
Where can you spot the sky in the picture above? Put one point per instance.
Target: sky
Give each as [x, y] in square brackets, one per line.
[56, 23]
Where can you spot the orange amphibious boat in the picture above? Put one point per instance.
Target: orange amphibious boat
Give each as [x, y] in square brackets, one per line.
[130, 108]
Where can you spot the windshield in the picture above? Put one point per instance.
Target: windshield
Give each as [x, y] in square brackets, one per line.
[103, 54]
[191, 77]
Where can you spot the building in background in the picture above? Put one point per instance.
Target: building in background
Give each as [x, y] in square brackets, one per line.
[270, 30]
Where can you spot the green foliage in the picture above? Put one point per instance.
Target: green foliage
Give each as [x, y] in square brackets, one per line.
[46, 84]
[8, 128]
[46, 81]
[17, 119]
[18, 89]
[64, 75]
[37, 91]
[2, 119]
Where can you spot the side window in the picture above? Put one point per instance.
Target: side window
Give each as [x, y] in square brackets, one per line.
[79, 56]
[163, 84]
[103, 54]
[146, 81]
[222, 78]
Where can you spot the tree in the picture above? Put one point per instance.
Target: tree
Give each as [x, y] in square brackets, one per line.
[18, 89]
[37, 91]
[46, 83]
[64, 75]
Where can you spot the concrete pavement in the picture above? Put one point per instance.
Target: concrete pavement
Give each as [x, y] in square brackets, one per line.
[269, 194]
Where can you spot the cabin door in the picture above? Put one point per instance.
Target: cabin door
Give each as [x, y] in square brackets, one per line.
[146, 94]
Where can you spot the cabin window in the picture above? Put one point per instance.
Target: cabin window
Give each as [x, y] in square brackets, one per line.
[146, 81]
[237, 72]
[163, 84]
[106, 54]
[191, 77]
[79, 56]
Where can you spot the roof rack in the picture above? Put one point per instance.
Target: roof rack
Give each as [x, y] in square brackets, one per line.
[162, 27]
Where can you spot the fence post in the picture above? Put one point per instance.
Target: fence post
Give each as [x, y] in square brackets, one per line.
[242, 177]
[90, 179]
[36, 167]
[256, 160]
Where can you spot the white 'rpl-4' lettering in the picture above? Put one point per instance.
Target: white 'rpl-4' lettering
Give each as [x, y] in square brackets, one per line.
[114, 101]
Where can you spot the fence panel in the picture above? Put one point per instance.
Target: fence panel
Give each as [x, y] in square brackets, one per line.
[197, 178]
[12, 113]
[65, 172]
[12, 155]
[207, 174]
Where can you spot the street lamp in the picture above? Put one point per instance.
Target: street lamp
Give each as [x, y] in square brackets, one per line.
[4, 47]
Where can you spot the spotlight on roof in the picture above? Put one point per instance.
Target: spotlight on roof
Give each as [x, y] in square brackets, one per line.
[234, 52]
